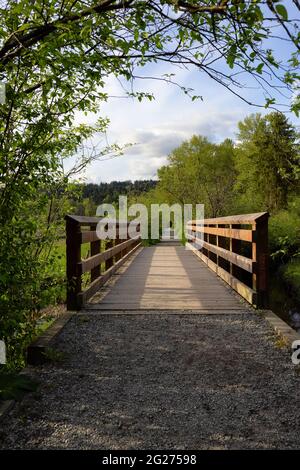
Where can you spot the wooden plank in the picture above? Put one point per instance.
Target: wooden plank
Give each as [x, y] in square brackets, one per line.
[167, 278]
[87, 220]
[245, 263]
[238, 286]
[88, 236]
[245, 291]
[238, 234]
[261, 256]
[235, 247]
[94, 286]
[109, 261]
[73, 257]
[95, 250]
[242, 219]
[90, 263]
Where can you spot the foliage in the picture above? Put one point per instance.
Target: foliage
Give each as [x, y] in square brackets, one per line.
[53, 355]
[110, 192]
[200, 172]
[14, 386]
[284, 235]
[291, 276]
[42, 325]
[267, 162]
[70, 47]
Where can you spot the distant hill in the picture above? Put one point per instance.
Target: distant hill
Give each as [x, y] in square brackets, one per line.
[110, 192]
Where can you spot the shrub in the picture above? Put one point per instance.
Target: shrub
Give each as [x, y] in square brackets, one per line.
[291, 276]
[284, 235]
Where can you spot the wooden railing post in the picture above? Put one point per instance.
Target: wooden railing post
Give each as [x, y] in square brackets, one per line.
[109, 262]
[95, 249]
[125, 251]
[118, 240]
[73, 255]
[260, 256]
[235, 247]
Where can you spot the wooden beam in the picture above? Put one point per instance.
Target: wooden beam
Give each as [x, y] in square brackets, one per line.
[89, 236]
[238, 234]
[242, 219]
[73, 256]
[245, 263]
[95, 250]
[260, 279]
[90, 263]
[84, 296]
[243, 290]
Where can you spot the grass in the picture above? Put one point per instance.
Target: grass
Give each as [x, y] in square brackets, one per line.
[291, 276]
[54, 291]
[53, 355]
[14, 386]
[281, 342]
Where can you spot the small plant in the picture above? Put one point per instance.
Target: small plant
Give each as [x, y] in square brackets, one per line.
[83, 319]
[297, 370]
[53, 355]
[281, 343]
[14, 386]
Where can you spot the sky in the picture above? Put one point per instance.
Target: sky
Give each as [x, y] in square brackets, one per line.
[155, 128]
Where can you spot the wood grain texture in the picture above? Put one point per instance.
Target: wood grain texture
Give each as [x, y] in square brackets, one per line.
[167, 277]
[235, 219]
[238, 234]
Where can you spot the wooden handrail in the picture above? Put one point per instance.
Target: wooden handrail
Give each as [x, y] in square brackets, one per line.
[236, 249]
[115, 254]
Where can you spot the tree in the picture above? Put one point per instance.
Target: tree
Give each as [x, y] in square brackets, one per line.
[72, 46]
[267, 162]
[200, 172]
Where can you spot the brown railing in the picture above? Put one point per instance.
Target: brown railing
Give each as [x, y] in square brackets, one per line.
[104, 257]
[236, 249]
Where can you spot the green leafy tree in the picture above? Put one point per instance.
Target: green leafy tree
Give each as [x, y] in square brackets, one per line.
[267, 162]
[69, 47]
[200, 172]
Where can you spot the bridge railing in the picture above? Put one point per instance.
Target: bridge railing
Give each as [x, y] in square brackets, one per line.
[236, 249]
[104, 257]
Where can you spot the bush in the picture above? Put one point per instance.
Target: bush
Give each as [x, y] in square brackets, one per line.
[291, 276]
[284, 235]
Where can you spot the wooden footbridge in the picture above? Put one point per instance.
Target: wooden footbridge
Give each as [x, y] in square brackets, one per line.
[170, 276]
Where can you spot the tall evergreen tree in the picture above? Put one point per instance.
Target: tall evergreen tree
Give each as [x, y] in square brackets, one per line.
[267, 162]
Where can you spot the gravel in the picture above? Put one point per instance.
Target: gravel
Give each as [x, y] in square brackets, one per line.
[161, 381]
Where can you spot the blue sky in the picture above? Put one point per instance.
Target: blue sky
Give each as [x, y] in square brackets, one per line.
[157, 127]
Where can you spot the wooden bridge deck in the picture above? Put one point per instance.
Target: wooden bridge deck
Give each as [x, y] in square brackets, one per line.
[168, 277]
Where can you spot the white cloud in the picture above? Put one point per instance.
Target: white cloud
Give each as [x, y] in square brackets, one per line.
[159, 126]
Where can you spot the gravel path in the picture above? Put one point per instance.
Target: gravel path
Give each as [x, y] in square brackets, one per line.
[161, 381]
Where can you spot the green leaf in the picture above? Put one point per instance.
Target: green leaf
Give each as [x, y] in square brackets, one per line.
[259, 13]
[259, 68]
[269, 101]
[281, 10]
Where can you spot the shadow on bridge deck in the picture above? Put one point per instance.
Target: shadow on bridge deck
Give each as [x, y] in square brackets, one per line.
[168, 277]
